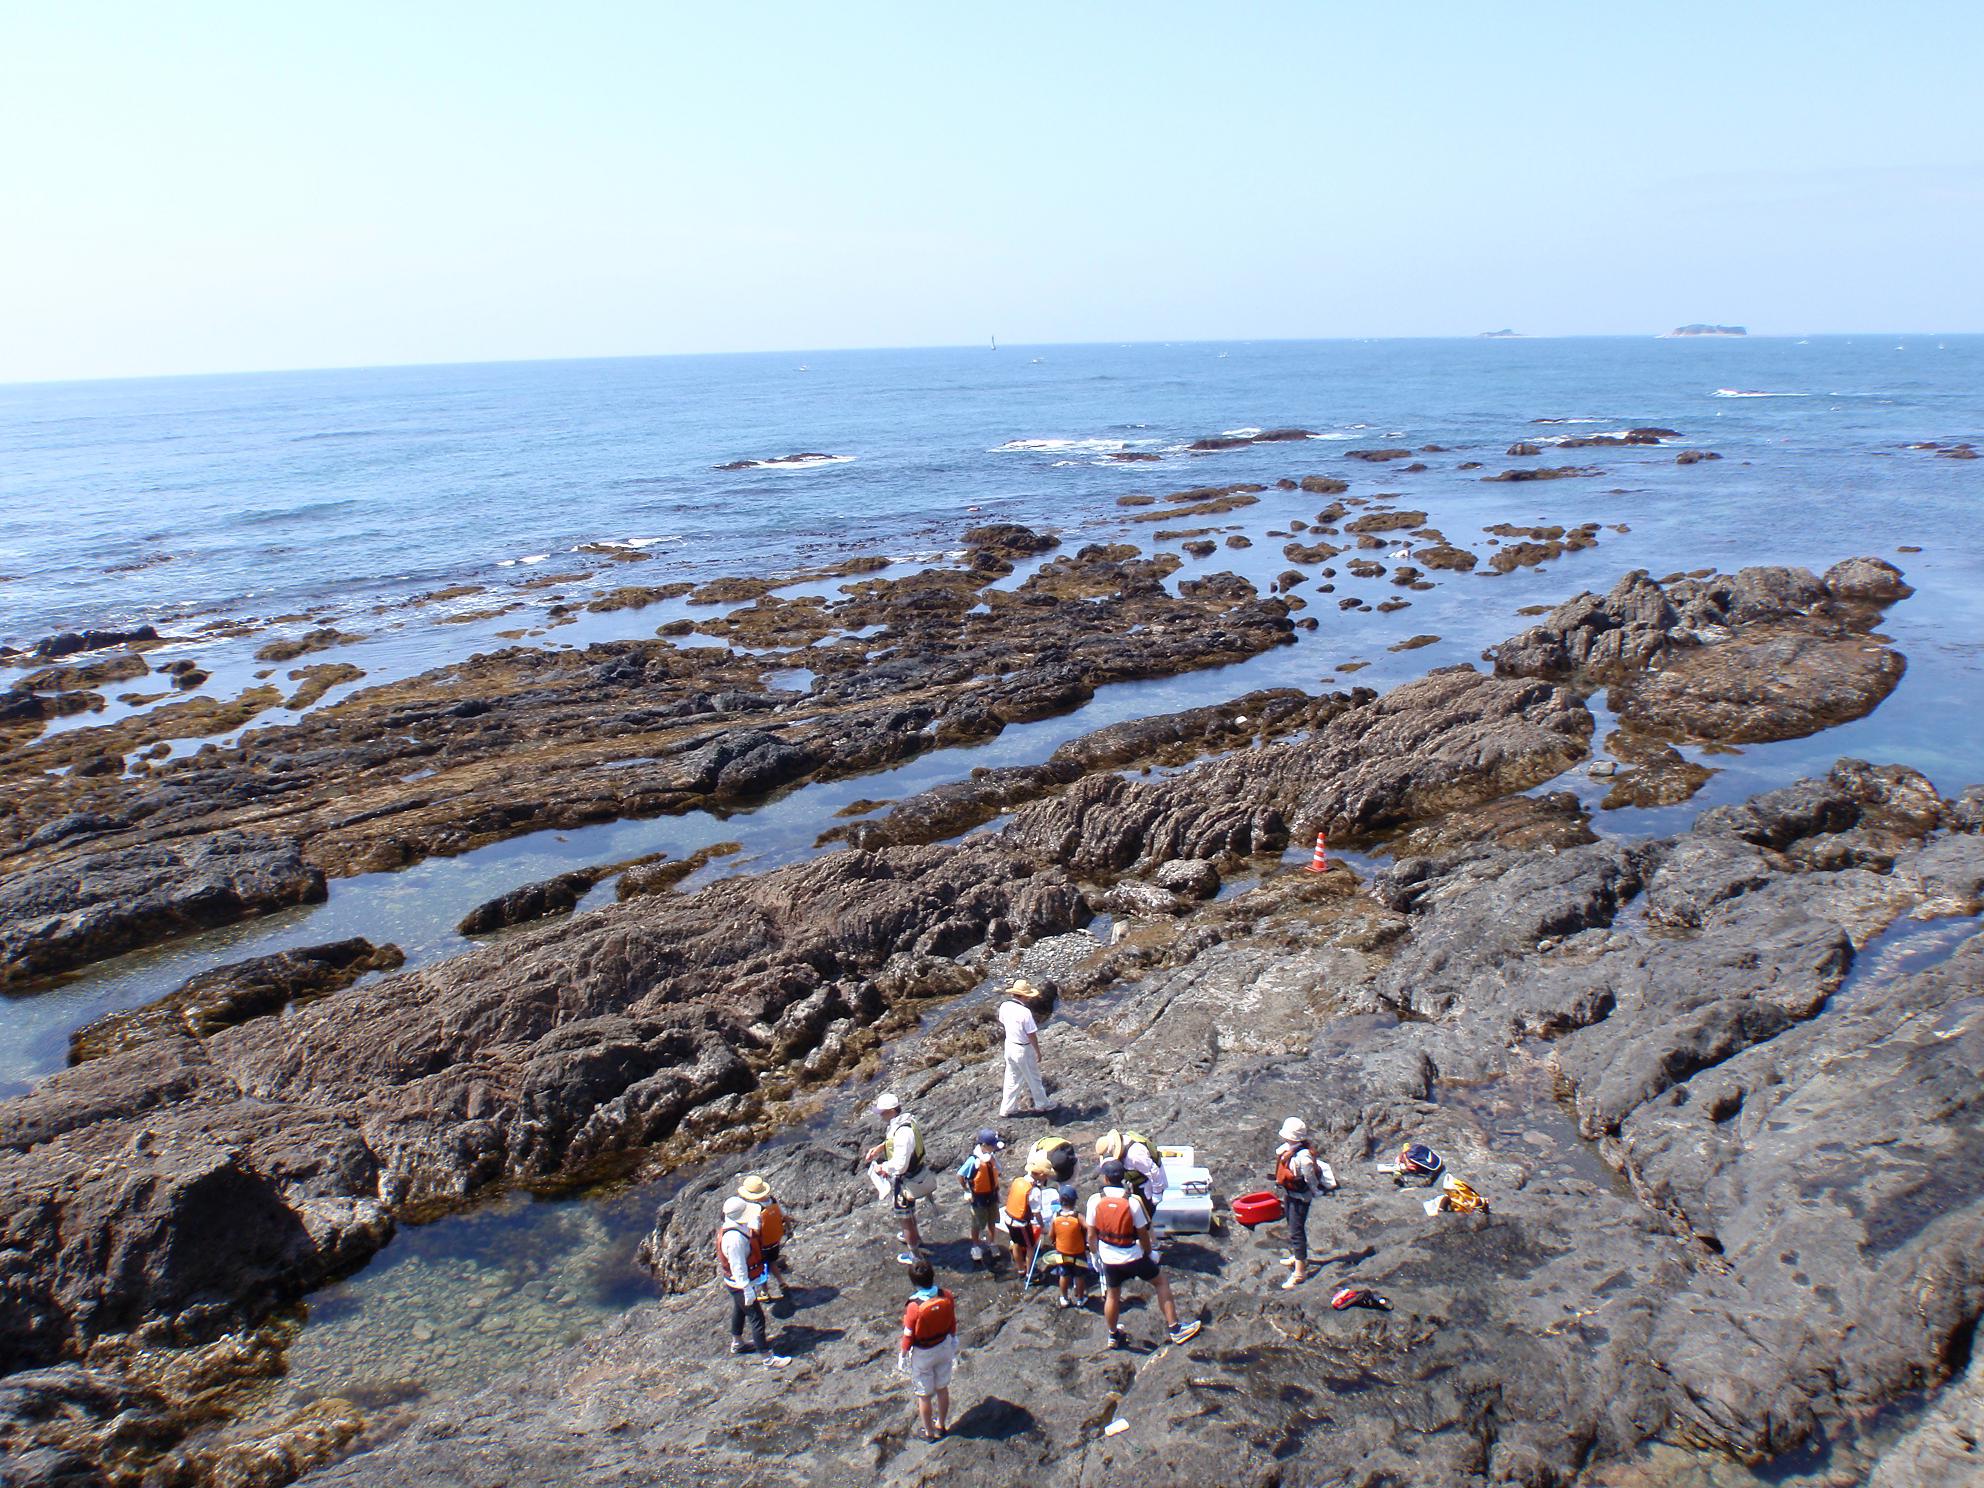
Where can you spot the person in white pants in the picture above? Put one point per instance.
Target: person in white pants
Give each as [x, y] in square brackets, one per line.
[1022, 1051]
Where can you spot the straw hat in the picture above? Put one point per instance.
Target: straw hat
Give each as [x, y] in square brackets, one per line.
[1294, 1129]
[754, 1190]
[1022, 988]
[1109, 1144]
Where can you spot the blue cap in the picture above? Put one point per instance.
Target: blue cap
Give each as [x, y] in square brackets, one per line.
[989, 1138]
[1113, 1170]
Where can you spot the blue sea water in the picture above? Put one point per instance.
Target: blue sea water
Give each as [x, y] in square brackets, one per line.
[337, 491]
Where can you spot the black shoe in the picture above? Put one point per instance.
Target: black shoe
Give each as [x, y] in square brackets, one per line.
[1118, 1338]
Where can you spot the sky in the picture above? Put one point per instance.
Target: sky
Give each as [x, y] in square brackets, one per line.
[208, 187]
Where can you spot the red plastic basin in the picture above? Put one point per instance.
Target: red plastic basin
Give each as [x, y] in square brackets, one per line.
[1257, 1208]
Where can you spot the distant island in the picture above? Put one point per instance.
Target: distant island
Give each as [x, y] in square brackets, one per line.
[1708, 330]
[1504, 334]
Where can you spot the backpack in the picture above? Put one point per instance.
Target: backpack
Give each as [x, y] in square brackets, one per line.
[936, 1320]
[1070, 1235]
[1284, 1168]
[1018, 1199]
[1114, 1223]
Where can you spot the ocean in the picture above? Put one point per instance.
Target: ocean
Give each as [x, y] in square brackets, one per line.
[182, 499]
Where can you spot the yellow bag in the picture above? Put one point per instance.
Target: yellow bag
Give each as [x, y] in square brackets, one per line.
[1461, 1198]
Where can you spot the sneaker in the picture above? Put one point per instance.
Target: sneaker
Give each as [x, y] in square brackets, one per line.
[1184, 1331]
[739, 1346]
[903, 1235]
[1064, 1301]
[1288, 1260]
[1291, 1283]
[1118, 1338]
[906, 1258]
[978, 1255]
[776, 1361]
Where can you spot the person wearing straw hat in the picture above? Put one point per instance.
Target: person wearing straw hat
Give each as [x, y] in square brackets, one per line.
[768, 1219]
[740, 1267]
[1022, 1051]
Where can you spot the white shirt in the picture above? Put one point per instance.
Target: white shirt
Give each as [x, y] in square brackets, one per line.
[902, 1149]
[1118, 1255]
[1019, 1026]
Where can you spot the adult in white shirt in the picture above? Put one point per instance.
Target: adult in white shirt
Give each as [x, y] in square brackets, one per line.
[1119, 1228]
[1022, 1051]
[900, 1173]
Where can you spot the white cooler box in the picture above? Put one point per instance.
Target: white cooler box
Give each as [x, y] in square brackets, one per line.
[1187, 1206]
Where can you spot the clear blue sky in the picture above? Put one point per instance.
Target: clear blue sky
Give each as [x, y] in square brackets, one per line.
[206, 187]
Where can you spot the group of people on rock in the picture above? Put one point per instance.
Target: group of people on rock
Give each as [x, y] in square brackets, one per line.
[1037, 1215]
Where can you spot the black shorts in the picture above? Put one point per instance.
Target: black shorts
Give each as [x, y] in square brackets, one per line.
[1143, 1268]
[771, 1254]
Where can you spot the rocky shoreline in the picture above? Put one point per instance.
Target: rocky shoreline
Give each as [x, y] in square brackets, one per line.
[213, 1160]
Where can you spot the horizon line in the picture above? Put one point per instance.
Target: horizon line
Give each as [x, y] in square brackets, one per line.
[648, 356]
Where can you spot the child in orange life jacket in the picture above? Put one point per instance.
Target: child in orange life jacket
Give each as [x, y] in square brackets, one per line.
[769, 1222]
[929, 1349]
[1022, 1213]
[1121, 1227]
[978, 1174]
[1067, 1242]
[740, 1265]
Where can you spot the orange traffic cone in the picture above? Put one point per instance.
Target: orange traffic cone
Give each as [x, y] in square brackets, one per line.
[1320, 863]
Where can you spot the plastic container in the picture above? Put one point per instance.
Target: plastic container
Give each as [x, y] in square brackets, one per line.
[1257, 1208]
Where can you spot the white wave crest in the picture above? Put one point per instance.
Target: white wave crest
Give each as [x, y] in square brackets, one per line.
[1753, 393]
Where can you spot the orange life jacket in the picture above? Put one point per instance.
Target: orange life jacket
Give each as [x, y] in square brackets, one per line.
[771, 1223]
[985, 1179]
[935, 1319]
[1114, 1223]
[1018, 1205]
[755, 1263]
[1070, 1234]
[1284, 1168]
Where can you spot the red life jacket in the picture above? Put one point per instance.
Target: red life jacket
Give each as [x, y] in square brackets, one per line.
[934, 1320]
[1114, 1223]
[755, 1264]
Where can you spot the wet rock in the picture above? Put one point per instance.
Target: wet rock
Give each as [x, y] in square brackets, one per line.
[1010, 539]
[1866, 581]
[232, 994]
[70, 642]
[1543, 472]
[1200, 549]
[1413, 643]
[91, 674]
[1377, 456]
[1323, 485]
[535, 901]
[1524, 448]
[1446, 557]
[322, 639]
[1320, 552]
[83, 909]
[1196, 878]
[804, 457]
[1695, 456]
[1391, 521]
